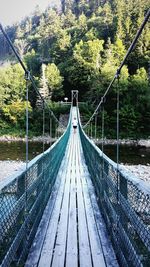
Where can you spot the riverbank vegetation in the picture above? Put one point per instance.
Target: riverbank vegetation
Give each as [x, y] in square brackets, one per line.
[78, 46]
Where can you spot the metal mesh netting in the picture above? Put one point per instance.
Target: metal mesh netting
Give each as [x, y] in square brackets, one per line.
[125, 205]
[23, 200]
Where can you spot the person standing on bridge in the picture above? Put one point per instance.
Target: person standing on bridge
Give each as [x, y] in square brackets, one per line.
[74, 123]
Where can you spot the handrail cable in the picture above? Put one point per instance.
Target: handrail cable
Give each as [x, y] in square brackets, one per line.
[27, 72]
[121, 65]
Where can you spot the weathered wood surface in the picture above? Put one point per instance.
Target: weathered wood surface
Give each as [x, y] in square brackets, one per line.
[72, 232]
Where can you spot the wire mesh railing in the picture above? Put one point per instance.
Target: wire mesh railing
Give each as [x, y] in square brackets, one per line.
[22, 202]
[125, 205]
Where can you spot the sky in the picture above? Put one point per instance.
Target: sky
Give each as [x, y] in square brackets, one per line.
[12, 11]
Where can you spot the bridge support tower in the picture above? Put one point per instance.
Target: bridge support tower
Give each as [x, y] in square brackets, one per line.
[74, 98]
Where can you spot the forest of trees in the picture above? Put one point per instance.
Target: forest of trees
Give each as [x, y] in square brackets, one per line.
[79, 47]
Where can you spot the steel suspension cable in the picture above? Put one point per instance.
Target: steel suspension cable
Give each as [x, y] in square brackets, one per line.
[122, 64]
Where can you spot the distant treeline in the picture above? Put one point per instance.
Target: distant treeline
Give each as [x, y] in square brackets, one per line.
[80, 47]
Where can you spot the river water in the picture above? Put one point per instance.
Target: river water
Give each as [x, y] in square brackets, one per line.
[13, 154]
[17, 150]
[132, 155]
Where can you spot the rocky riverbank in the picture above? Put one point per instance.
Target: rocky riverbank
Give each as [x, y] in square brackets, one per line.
[140, 142]
[9, 168]
[9, 138]
[47, 139]
[141, 171]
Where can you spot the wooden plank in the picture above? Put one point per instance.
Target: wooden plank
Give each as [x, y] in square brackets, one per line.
[37, 245]
[48, 246]
[84, 245]
[60, 245]
[72, 234]
[36, 248]
[95, 244]
[72, 250]
[108, 251]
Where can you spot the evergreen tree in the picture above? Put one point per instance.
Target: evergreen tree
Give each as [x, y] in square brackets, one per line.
[82, 48]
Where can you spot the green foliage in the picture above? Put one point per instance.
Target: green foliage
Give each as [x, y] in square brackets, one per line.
[16, 112]
[58, 108]
[7, 129]
[82, 47]
[54, 81]
[59, 49]
[32, 61]
[128, 120]
[12, 84]
[88, 53]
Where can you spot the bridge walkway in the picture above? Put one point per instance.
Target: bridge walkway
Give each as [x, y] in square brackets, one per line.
[72, 232]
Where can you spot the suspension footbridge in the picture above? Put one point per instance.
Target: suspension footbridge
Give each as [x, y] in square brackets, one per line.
[74, 193]
[73, 229]
[72, 205]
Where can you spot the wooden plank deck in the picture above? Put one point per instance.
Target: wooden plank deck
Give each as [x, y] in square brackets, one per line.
[72, 232]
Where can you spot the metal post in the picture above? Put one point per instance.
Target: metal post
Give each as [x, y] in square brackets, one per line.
[50, 130]
[95, 127]
[27, 77]
[103, 125]
[91, 129]
[43, 126]
[55, 131]
[121, 181]
[88, 131]
[102, 167]
[117, 159]
[149, 71]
